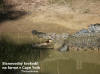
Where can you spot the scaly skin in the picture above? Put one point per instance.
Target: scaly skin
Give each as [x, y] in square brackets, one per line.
[65, 42]
[86, 40]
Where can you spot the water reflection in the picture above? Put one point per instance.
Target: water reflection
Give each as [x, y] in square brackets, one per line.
[72, 63]
[69, 67]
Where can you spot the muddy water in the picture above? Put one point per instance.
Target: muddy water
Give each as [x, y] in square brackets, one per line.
[72, 63]
[69, 67]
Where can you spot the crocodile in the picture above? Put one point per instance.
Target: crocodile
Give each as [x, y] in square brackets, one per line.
[50, 36]
[84, 39]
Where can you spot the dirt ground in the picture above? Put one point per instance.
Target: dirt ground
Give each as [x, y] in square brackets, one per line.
[55, 18]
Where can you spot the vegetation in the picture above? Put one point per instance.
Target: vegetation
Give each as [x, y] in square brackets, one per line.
[1, 3]
[17, 51]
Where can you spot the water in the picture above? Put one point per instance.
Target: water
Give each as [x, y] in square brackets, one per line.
[69, 67]
[51, 61]
[72, 63]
